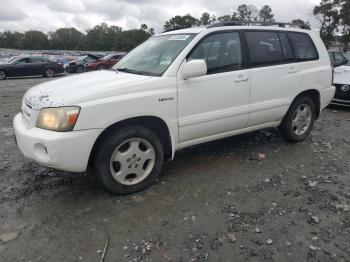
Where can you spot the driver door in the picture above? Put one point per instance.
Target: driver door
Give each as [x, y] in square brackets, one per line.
[214, 105]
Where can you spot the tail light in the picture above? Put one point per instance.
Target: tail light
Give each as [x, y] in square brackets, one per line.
[332, 75]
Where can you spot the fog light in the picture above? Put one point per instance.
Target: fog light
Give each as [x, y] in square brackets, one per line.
[41, 152]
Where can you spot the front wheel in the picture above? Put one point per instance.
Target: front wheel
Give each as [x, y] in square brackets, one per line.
[299, 120]
[49, 73]
[2, 75]
[129, 160]
[80, 69]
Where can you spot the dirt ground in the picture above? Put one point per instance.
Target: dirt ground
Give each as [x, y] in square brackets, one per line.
[252, 197]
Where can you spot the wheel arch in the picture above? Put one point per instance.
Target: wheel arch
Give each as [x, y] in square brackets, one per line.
[314, 94]
[154, 123]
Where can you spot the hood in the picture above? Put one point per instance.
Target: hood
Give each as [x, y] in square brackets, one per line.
[73, 90]
[342, 75]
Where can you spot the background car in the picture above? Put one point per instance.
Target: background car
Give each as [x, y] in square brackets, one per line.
[78, 66]
[337, 58]
[341, 81]
[29, 66]
[105, 62]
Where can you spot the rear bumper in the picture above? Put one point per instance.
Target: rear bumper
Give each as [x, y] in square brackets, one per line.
[69, 151]
[327, 95]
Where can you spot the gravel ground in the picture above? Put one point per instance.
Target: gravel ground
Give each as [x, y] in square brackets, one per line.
[252, 197]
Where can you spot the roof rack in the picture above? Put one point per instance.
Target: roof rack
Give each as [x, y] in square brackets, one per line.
[240, 23]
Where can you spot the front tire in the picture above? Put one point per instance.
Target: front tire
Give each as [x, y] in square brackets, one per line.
[2, 75]
[299, 120]
[129, 160]
[49, 73]
[79, 69]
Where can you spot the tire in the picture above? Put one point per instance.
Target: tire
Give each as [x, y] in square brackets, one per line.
[299, 120]
[101, 67]
[49, 72]
[2, 75]
[128, 160]
[79, 69]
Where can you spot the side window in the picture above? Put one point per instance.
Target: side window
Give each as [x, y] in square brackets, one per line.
[22, 61]
[286, 48]
[35, 60]
[264, 48]
[338, 57]
[222, 52]
[303, 47]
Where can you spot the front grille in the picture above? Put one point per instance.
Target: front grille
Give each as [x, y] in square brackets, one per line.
[339, 94]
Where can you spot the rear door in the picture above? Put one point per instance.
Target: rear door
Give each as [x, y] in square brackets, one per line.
[216, 104]
[275, 75]
[36, 66]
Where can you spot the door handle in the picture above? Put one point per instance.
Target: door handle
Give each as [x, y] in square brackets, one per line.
[241, 78]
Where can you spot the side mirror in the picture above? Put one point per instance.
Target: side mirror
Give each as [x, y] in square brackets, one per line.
[194, 68]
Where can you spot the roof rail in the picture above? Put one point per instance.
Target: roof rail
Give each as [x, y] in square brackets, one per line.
[240, 23]
[173, 29]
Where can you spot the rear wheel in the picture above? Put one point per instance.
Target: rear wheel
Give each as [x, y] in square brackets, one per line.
[2, 75]
[129, 160]
[299, 120]
[49, 73]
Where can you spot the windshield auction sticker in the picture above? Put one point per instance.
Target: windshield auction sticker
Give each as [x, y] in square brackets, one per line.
[179, 37]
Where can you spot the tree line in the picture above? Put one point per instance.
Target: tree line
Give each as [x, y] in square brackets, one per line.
[334, 16]
[100, 38]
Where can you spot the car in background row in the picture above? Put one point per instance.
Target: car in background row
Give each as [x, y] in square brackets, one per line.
[337, 58]
[341, 78]
[29, 66]
[78, 66]
[105, 62]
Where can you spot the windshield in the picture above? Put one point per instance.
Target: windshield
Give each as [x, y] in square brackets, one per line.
[155, 55]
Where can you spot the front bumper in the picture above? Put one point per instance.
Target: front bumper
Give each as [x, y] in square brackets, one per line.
[340, 102]
[68, 151]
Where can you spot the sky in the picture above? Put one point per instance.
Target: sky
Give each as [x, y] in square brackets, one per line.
[48, 15]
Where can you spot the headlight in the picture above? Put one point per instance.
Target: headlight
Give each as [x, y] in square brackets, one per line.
[58, 118]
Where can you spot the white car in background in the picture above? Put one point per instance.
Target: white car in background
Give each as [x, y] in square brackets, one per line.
[341, 78]
[177, 89]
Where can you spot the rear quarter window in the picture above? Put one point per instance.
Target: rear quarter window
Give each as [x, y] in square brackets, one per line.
[264, 48]
[303, 46]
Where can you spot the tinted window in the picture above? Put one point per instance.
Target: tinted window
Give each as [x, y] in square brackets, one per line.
[23, 61]
[303, 46]
[221, 52]
[35, 60]
[338, 57]
[286, 48]
[264, 47]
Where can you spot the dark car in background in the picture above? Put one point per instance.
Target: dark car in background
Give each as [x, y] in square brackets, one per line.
[29, 66]
[105, 62]
[78, 65]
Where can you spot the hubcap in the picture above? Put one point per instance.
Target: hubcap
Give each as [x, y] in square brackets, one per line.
[50, 72]
[302, 119]
[132, 161]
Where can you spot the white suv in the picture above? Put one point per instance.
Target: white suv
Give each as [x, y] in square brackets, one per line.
[177, 89]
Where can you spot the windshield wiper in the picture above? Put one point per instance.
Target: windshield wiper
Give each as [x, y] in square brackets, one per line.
[127, 70]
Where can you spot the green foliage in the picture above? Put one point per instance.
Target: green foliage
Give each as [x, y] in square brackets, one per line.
[100, 38]
[178, 21]
[328, 15]
[265, 14]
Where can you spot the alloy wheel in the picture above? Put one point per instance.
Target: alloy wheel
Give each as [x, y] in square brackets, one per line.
[132, 161]
[302, 119]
